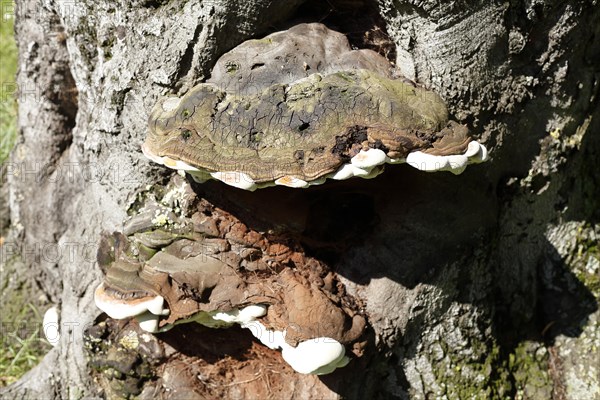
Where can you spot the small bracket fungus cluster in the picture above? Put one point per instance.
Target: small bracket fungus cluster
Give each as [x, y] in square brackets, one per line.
[299, 107]
[205, 266]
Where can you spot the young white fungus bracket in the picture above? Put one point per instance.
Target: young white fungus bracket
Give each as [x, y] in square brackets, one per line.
[51, 325]
[318, 356]
[147, 310]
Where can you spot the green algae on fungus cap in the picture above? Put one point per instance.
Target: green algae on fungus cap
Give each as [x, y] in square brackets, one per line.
[331, 120]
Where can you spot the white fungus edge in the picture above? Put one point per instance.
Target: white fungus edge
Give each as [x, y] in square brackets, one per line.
[117, 309]
[316, 356]
[366, 165]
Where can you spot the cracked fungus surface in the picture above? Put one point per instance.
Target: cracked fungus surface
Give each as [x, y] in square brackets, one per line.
[299, 107]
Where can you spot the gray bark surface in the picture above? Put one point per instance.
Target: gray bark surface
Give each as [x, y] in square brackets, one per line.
[482, 285]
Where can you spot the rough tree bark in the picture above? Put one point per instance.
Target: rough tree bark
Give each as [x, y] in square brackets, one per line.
[483, 284]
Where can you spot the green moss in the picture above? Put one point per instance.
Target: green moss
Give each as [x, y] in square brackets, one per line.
[591, 279]
[528, 365]
[585, 259]
[348, 77]
[263, 41]
[486, 372]
[232, 67]
[479, 373]
[140, 200]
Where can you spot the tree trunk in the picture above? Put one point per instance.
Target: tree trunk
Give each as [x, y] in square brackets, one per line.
[483, 284]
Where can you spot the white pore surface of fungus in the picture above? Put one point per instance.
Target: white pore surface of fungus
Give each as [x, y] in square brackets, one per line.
[475, 153]
[51, 327]
[317, 356]
[368, 159]
[121, 308]
[236, 179]
[292, 182]
[366, 165]
[243, 316]
[148, 321]
[178, 165]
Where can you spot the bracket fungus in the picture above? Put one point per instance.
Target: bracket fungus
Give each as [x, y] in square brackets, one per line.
[206, 266]
[300, 106]
[51, 326]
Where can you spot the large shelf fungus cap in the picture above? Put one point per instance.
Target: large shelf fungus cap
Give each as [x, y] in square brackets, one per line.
[273, 115]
